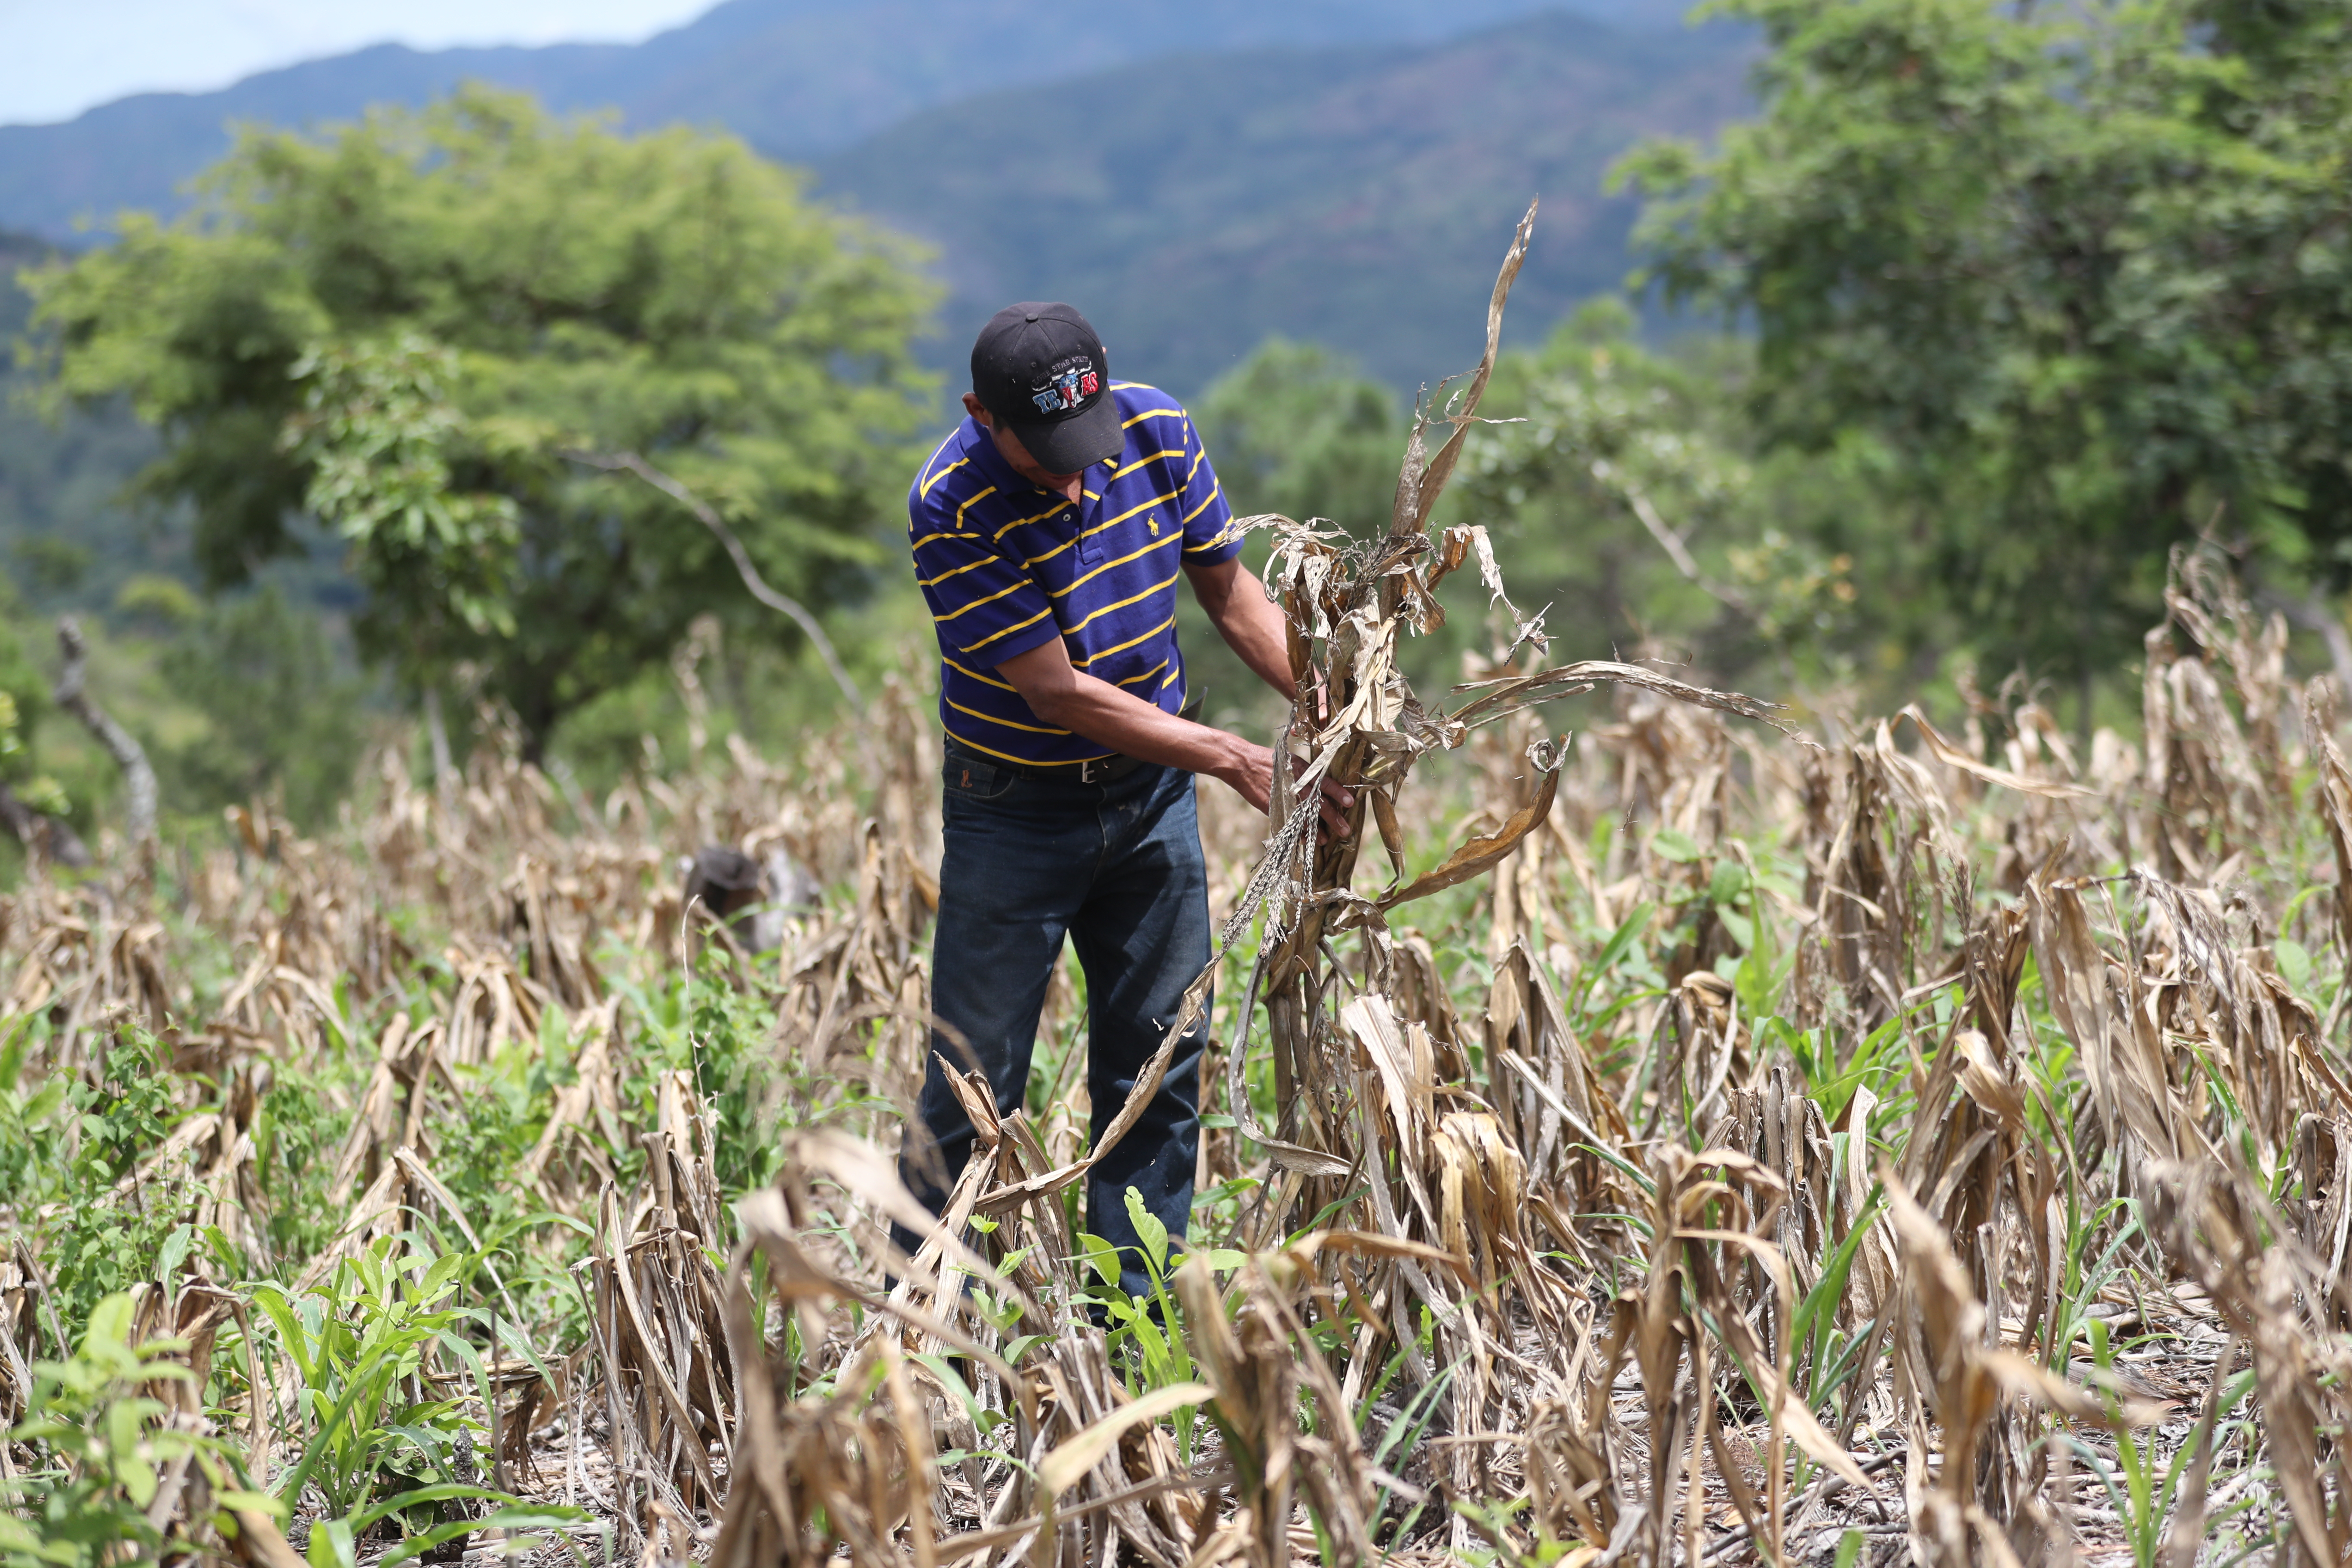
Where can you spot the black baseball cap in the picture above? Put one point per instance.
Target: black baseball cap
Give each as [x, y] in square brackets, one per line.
[1040, 370]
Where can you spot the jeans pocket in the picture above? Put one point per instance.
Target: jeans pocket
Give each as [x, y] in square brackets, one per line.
[967, 778]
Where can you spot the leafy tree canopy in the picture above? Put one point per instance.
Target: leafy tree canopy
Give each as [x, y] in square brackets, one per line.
[1625, 486]
[402, 326]
[1298, 429]
[2083, 272]
[1620, 483]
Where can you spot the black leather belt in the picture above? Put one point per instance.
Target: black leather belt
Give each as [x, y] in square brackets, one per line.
[1094, 770]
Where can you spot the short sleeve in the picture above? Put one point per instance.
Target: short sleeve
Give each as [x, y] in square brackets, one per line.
[1210, 536]
[982, 605]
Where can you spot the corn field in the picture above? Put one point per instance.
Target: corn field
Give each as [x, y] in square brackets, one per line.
[1723, 1134]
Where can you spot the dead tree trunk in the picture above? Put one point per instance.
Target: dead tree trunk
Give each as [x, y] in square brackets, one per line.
[437, 731]
[138, 777]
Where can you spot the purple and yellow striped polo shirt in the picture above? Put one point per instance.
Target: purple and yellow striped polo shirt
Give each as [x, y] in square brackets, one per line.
[1005, 565]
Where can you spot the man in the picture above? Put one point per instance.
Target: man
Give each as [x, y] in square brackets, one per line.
[1048, 535]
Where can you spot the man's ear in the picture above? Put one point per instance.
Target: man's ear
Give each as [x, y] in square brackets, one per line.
[979, 411]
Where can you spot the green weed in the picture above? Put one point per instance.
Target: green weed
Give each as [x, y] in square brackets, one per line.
[108, 1447]
[373, 1348]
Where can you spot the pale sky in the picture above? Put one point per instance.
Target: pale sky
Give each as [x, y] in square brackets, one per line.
[59, 57]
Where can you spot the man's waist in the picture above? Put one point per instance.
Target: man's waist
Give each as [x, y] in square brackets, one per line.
[1107, 769]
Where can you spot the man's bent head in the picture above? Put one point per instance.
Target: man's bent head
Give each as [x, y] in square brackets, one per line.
[1041, 377]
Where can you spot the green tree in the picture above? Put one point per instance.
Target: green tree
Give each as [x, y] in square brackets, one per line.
[2081, 275]
[381, 438]
[1623, 487]
[1297, 429]
[280, 710]
[1619, 482]
[403, 325]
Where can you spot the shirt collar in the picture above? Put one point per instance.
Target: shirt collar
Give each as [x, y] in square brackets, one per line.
[979, 448]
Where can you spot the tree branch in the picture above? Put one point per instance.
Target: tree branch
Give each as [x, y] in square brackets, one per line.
[138, 777]
[1679, 554]
[631, 462]
[436, 733]
[40, 832]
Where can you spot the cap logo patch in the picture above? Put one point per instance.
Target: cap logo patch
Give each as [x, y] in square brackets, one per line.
[1071, 383]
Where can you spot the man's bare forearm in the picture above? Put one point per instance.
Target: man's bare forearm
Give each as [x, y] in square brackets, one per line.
[1252, 624]
[1066, 696]
[1061, 694]
[1118, 720]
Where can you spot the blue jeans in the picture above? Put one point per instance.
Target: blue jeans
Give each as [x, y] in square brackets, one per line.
[1117, 868]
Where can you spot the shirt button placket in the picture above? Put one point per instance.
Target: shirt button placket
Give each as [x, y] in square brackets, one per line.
[1090, 546]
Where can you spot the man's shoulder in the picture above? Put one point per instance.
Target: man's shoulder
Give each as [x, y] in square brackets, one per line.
[947, 481]
[1141, 402]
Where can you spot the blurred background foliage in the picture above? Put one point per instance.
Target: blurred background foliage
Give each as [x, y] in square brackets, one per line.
[407, 326]
[1928, 365]
[2077, 278]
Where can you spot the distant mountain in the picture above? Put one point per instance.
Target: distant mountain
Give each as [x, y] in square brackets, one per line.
[1360, 197]
[797, 78]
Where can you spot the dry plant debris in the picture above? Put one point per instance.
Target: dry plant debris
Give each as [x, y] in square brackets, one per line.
[1762, 1147]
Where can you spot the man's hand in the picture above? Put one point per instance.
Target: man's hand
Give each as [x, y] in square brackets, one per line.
[1061, 694]
[1254, 781]
[1254, 627]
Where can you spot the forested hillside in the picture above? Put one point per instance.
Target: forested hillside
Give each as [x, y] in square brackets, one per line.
[1350, 193]
[71, 537]
[796, 78]
[1350, 196]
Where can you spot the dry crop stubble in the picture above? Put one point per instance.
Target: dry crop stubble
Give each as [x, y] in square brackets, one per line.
[1892, 1143]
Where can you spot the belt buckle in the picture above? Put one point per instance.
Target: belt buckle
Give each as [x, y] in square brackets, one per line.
[1086, 769]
